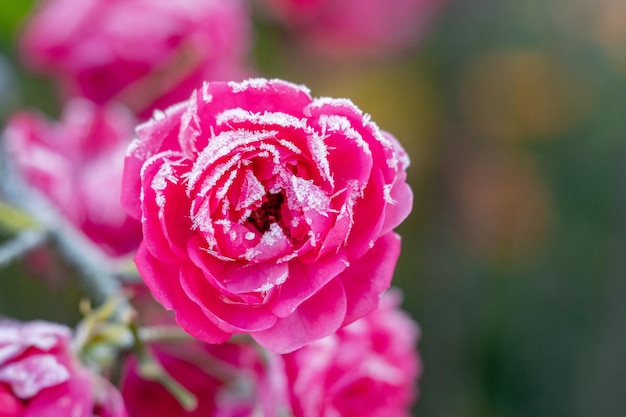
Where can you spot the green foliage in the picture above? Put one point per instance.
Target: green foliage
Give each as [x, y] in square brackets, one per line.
[12, 15]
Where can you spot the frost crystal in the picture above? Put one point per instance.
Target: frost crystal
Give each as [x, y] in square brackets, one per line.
[32, 374]
[308, 196]
[239, 115]
[224, 144]
[256, 83]
[206, 96]
[320, 155]
[158, 115]
[387, 192]
[262, 84]
[335, 123]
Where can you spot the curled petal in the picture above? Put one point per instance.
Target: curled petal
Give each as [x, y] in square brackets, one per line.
[370, 276]
[317, 317]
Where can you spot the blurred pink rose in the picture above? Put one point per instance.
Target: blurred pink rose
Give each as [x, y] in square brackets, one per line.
[368, 368]
[356, 26]
[41, 377]
[228, 380]
[266, 212]
[148, 54]
[77, 164]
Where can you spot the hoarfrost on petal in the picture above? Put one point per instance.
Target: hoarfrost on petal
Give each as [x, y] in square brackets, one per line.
[252, 191]
[257, 83]
[211, 180]
[224, 144]
[165, 174]
[387, 193]
[335, 123]
[273, 235]
[269, 285]
[320, 156]
[206, 96]
[335, 102]
[32, 374]
[239, 115]
[158, 115]
[306, 195]
[217, 255]
[262, 83]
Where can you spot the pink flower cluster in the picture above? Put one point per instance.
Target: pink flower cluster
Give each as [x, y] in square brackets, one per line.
[40, 376]
[251, 207]
[367, 368]
[77, 164]
[228, 380]
[265, 211]
[147, 54]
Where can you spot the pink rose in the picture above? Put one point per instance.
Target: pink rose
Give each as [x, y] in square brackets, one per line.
[148, 54]
[40, 376]
[265, 211]
[368, 368]
[356, 26]
[77, 164]
[228, 380]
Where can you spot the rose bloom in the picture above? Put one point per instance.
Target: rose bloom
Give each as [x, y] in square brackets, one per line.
[227, 380]
[368, 368]
[77, 164]
[265, 211]
[40, 376]
[355, 27]
[145, 53]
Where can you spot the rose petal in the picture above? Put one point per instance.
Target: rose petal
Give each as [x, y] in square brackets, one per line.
[304, 280]
[369, 276]
[396, 212]
[370, 210]
[30, 375]
[163, 280]
[319, 316]
[166, 225]
[73, 398]
[228, 314]
[237, 277]
[157, 135]
[10, 406]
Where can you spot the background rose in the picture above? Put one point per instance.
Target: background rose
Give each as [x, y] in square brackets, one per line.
[266, 211]
[77, 164]
[148, 54]
[355, 26]
[368, 368]
[40, 377]
[228, 380]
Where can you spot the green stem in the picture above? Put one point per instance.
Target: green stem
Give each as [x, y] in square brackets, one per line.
[151, 370]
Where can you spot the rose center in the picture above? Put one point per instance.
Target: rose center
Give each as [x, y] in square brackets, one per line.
[269, 212]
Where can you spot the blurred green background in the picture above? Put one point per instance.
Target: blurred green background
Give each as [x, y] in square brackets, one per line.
[514, 259]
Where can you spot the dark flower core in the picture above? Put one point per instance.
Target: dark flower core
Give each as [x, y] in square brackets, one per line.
[269, 212]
